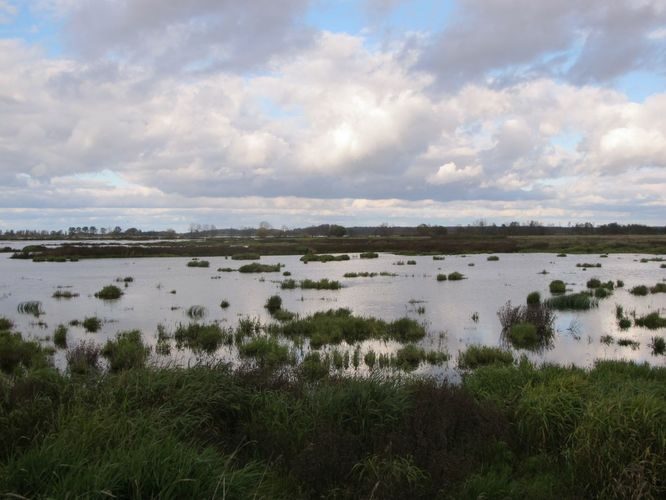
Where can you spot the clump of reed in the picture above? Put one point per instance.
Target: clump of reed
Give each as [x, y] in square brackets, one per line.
[225, 270]
[126, 351]
[581, 301]
[83, 359]
[92, 324]
[273, 303]
[196, 312]
[492, 258]
[477, 355]
[60, 337]
[640, 290]
[533, 299]
[256, 267]
[246, 256]
[288, 284]
[364, 274]
[624, 342]
[455, 276]
[411, 262]
[312, 257]
[557, 286]
[527, 327]
[195, 262]
[201, 337]
[322, 284]
[607, 339]
[441, 277]
[438, 257]
[16, 353]
[651, 321]
[32, 307]
[586, 265]
[109, 292]
[126, 280]
[658, 346]
[267, 352]
[369, 255]
[337, 325]
[658, 288]
[224, 304]
[64, 294]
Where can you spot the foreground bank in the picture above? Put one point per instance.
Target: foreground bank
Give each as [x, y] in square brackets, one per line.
[509, 430]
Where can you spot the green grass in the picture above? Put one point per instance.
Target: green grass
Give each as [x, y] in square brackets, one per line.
[246, 256]
[492, 258]
[574, 301]
[288, 284]
[267, 352]
[198, 263]
[363, 274]
[658, 288]
[640, 290]
[16, 353]
[126, 351]
[92, 324]
[335, 326]
[624, 323]
[369, 255]
[528, 326]
[273, 303]
[411, 262]
[5, 324]
[201, 337]
[651, 321]
[455, 276]
[624, 342]
[523, 335]
[109, 292]
[64, 294]
[557, 286]
[60, 337]
[476, 355]
[607, 339]
[83, 359]
[311, 257]
[256, 267]
[602, 293]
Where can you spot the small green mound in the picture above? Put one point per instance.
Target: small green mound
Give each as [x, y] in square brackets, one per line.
[267, 351]
[441, 277]
[200, 337]
[492, 258]
[109, 292]
[523, 335]
[557, 286]
[456, 276]
[60, 337]
[198, 263]
[533, 299]
[273, 304]
[92, 324]
[16, 352]
[256, 267]
[312, 257]
[640, 290]
[369, 255]
[5, 324]
[658, 346]
[477, 355]
[322, 284]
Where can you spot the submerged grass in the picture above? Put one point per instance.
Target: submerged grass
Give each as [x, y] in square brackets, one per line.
[32, 307]
[476, 355]
[581, 301]
[651, 321]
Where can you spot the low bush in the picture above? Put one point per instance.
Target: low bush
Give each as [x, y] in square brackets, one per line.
[109, 292]
[126, 351]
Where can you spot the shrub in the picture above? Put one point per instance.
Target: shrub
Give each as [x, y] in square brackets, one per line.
[476, 355]
[455, 276]
[273, 304]
[658, 346]
[126, 351]
[109, 292]
[640, 290]
[441, 277]
[5, 324]
[493, 258]
[523, 335]
[369, 255]
[557, 286]
[624, 323]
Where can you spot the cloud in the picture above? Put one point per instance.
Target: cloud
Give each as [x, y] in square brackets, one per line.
[195, 35]
[590, 41]
[7, 11]
[449, 173]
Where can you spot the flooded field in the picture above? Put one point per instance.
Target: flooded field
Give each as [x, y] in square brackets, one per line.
[455, 313]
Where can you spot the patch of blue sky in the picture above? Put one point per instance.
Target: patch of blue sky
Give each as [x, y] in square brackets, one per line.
[639, 85]
[338, 16]
[568, 140]
[274, 110]
[33, 28]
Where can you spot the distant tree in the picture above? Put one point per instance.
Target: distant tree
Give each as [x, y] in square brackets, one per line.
[336, 230]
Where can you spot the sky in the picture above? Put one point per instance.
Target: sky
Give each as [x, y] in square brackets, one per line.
[159, 114]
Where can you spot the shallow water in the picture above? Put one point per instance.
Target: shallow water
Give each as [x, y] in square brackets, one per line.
[449, 306]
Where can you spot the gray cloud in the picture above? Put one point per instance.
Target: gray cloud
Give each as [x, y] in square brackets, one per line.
[496, 38]
[197, 35]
